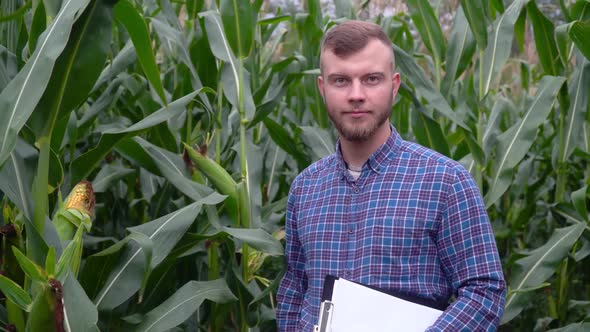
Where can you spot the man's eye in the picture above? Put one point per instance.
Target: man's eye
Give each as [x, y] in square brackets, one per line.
[373, 79]
[339, 81]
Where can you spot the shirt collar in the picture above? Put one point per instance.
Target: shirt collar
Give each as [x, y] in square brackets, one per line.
[379, 159]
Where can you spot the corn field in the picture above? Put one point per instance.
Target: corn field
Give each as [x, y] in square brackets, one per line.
[147, 148]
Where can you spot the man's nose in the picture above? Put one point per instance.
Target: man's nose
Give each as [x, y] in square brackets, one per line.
[356, 93]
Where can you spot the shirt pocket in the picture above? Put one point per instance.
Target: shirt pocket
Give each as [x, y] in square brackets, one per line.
[396, 249]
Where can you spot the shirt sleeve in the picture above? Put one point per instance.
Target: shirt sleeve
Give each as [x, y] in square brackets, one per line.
[468, 253]
[294, 283]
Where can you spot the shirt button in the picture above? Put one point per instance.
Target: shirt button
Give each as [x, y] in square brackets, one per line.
[356, 190]
[350, 230]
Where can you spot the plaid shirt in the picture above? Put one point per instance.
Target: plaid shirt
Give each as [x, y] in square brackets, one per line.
[414, 222]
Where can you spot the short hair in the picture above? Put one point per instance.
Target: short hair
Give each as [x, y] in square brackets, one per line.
[352, 36]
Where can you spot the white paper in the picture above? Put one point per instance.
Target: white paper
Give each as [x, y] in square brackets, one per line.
[359, 308]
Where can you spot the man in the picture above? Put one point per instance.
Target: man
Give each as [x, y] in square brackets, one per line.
[383, 211]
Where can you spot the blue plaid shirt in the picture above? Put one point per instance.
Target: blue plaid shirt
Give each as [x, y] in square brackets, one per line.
[414, 222]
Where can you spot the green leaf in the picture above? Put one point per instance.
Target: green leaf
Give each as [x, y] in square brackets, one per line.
[182, 304]
[125, 58]
[233, 75]
[579, 34]
[15, 293]
[429, 133]
[501, 106]
[427, 25]
[173, 168]
[77, 67]
[239, 25]
[50, 262]
[424, 87]
[83, 165]
[516, 141]
[563, 41]
[147, 246]
[546, 47]
[574, 327]
[579, 199]
[131, 149]
[499, 45]
[520, 30]
[38, 25]
[282, 138]
[21, 95]
[32, 270]
[135, 25]
[538, 266]
[318, 140]
[476, 16]
[80, 313]
[43, 310]
[52, 7]
[175, 42]
[70, 259]
[459, 53]
[578, 86]
[16, 14]
[257, 239]
[274, 20]
[164, 232]
[16, 177]
[108, 176]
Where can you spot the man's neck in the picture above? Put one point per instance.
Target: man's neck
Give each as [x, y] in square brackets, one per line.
[357, 153]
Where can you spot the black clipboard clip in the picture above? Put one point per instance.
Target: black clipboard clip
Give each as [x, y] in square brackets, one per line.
[325, 319]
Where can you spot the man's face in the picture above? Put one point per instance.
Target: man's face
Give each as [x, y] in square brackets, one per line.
[359, 90]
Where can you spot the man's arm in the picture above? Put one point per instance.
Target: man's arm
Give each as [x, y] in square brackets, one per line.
[468, 252]
[294, 283]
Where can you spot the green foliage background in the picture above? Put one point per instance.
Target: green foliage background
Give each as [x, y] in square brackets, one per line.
[190, 118]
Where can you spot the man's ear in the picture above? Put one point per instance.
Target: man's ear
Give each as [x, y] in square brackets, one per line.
[321, 85]
[396, 80]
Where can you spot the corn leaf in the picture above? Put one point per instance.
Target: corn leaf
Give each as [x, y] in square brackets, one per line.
[21, 95]
[579, 34]
[499, 45]
[83, 165]
[516, 141]
[238, 22]
[578, 87]
[164, 233]
[15, 293]
[16, 177]
[135, 25]
[459, 53]
[77, 67]
[108, 176]
[476, 16]
[318, 140]
[183, 303]
[424, 88]
[544, 40]
[427, 25]
[538, 266]
[80, 313]
[173, 168]
[32, 270]
[233, 76]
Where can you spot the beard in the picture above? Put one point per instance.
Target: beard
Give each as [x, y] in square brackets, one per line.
[359, 131]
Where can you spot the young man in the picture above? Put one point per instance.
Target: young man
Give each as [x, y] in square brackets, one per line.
[383, 211]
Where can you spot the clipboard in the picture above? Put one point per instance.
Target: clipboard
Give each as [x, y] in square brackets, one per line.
[348, 306]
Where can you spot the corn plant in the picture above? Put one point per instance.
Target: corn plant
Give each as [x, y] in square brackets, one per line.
[174, 129]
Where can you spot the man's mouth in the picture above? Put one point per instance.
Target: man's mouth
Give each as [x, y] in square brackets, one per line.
[357, 113]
